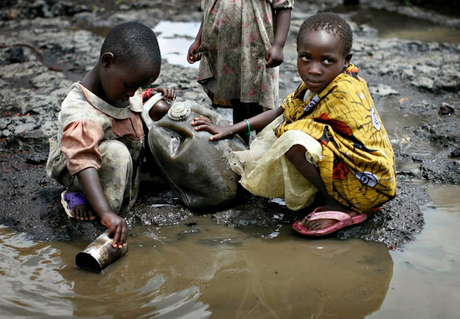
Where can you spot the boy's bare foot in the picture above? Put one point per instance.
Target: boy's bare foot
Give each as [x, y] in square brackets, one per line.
[324, 223]
[76, 205]
[83, 212]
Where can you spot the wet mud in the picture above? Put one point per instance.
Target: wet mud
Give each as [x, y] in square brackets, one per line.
[43, 52]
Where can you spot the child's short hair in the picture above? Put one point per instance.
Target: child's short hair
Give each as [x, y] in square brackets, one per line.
[329, 22]
[133, 43]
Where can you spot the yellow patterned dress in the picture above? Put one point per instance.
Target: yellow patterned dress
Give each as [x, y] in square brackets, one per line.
[357, 160]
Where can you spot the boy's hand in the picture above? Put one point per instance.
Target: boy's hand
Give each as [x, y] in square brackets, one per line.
[202, 123]
[118, 229]
[274, 56]
[168, 94]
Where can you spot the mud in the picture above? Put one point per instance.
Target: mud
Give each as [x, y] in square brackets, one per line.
[45, 46]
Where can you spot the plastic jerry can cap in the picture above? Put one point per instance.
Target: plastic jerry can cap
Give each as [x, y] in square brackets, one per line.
[178, 111]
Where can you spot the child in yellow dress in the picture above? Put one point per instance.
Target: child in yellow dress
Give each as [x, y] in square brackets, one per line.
[329, 138]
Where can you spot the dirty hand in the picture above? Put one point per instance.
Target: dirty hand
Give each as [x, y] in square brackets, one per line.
[274, 56]
[193, 55]
[118, 229]
[168, 93]
[202, 123]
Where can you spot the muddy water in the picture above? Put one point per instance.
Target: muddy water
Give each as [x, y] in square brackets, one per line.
[402, 27]
[211, 271]
[426, 275]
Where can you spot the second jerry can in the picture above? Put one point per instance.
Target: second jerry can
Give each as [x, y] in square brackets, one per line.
[195, 168]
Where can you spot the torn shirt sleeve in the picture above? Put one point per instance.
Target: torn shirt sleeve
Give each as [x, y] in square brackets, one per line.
[79, 143]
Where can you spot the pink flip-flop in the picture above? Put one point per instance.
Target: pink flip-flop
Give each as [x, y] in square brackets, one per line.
[343, 219]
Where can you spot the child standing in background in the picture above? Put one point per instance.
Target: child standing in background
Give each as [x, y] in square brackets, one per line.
[240, 46]
[326, 138]
[97, 152]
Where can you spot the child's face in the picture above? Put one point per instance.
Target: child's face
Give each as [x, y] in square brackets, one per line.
[120, 82]
[320, 58]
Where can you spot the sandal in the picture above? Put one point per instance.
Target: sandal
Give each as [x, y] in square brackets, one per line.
[343, 220]
[71, 200]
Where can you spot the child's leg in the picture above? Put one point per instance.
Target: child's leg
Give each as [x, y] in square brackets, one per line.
[116, 175]
[296, 155]
[242, 111]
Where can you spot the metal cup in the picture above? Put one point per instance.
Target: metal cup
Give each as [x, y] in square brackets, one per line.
[99, 254]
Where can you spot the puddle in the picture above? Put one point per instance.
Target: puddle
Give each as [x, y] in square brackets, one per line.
[394, 25]
[211, 270]
[426, 275]
[175, 39]
[215, 271]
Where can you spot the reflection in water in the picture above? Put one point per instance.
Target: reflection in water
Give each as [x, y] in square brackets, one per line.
[426, 275]
[213, 272]
[302, 278]
[29, 278]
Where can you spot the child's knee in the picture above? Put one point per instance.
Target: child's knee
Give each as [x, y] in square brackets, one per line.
[295, 153]
[115, 152]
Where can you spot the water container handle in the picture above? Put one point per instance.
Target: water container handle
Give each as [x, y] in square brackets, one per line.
[148, 106]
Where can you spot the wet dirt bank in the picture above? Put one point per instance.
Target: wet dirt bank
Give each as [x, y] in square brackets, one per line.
[419, 79]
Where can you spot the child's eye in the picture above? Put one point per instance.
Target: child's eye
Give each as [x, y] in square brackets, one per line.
[305, 58]
[328, 61]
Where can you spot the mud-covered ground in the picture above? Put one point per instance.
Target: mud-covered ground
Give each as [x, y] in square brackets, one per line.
[47, 45]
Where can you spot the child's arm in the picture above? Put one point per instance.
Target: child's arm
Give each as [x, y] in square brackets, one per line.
[92, 189]
[257, 122]
[193, 55]
[274, 56]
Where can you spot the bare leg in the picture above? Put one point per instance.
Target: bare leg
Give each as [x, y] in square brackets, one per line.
[296, 155]
[242, 111]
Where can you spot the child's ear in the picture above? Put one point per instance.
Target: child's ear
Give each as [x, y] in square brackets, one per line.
[347, 60]
[107, 59]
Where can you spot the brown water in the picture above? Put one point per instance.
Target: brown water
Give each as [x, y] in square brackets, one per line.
[211, 271]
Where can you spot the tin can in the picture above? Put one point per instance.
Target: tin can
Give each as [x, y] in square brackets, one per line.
[99, 254]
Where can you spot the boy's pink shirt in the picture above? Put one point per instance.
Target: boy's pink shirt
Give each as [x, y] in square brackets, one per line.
[87, 120]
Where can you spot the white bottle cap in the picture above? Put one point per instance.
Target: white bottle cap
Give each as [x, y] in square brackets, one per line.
[178, 111]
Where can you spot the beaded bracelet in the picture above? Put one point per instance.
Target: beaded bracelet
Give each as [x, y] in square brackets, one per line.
[249, 128]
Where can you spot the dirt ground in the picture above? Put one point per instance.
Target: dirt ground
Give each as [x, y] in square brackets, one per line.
[31, 201]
